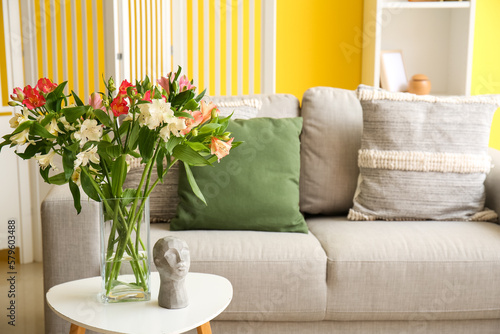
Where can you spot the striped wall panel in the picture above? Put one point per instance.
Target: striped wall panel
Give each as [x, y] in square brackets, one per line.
[4, 89]
[66, 40]
[223, 44]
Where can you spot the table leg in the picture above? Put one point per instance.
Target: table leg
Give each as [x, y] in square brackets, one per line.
[75, 329]
[205, 328]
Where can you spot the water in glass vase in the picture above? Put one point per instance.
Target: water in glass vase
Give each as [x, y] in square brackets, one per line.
[125, 255]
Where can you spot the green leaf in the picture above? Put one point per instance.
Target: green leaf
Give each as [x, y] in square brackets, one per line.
[193, 184]
[68, 160]
[210, 127]
[38, 130]
[31, 150]
[45, 174]
[118, 175]
[77, 100]
[133, 137]
[113, 151]
[172, 143]
[74, 113]
[23, 126]
[200, 96]
[182, 98]
[187, 154]
[103, 118]
[197, 146]
[46, 120]
[183, 114]
[55, 98]
[75, 191]
[146, 143]
[191, 105]
[87, 185]
[159, 163]
[5, 143]
[58, 179]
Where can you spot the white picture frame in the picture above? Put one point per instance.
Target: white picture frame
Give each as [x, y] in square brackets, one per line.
[392, 71]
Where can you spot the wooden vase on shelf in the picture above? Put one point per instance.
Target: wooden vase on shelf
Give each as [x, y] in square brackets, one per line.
[419, 84]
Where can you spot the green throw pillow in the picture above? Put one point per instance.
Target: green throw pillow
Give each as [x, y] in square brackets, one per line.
[256, 187]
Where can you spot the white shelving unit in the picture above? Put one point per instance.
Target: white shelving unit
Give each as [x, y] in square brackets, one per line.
[436, 39]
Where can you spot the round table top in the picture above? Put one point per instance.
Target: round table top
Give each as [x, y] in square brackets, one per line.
[78, 302]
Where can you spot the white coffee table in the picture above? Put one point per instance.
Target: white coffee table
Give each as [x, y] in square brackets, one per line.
[78, 303]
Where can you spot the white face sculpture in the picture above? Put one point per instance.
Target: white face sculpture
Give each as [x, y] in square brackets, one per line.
[172, 259]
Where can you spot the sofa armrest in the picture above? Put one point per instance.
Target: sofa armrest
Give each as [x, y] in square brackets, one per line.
[492, 183]
[71, 245]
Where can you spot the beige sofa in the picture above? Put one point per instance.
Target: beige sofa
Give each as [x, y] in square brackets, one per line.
[342, 277]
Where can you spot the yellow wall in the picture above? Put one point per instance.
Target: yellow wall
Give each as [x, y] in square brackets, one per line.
[318, 44]
[486, 62]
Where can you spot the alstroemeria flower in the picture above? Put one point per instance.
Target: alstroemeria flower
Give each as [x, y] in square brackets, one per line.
[207, 110]
[164, 82]
[95, 101]
[147, 96]
[192, 122]
[83, 158]
[155, 113]
[53, 128]
[45, 85]
[75, 177]
[89, 131]
[19, 118]
[220, 148]
[20, 138]
[122, 91]
[185, 84]
[33, 99]
[67, 126]
[17, 95]
[174, 126]
[45, 160]
[119, 106]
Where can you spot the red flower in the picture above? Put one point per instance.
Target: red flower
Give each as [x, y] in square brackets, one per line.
[45, 85]
[122, 91]
[119, 106]
[147, 96]
[33, 99]
[17, 95]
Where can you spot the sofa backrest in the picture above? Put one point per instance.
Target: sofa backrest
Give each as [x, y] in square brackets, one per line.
[164, 199]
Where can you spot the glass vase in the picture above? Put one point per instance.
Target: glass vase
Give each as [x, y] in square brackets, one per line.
[125, 251]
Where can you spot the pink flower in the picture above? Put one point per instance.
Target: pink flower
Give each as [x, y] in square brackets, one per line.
[17, 95]
[33, 99]
[163, 82]
[185, 84]
[220, 148]
[45, 85]
[191, 123]
[119, 106]
[206, 110]
[95, 101]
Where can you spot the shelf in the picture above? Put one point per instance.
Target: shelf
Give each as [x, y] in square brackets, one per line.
[426, 4]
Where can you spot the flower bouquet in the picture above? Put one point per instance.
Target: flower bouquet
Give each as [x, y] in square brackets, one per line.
[159, 124]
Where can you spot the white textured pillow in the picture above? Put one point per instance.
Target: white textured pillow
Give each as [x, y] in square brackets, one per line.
[423, 157]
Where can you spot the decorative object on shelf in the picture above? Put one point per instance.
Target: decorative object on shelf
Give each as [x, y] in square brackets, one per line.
[172, 259]
[392, 71]
[154, 125]
[419, 84]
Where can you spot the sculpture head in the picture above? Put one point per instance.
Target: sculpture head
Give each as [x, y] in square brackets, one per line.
[171, 257]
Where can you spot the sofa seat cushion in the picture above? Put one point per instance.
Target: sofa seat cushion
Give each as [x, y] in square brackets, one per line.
[276, 276]
[412, 270]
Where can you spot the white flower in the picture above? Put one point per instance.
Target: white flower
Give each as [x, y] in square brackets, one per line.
[76, 176]
[174, 127]
[67, 126]
[20, 138]
[53, 128]
[82, 158]
[155, 113]
[19, 118]
[45, 160]
[89, 130]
